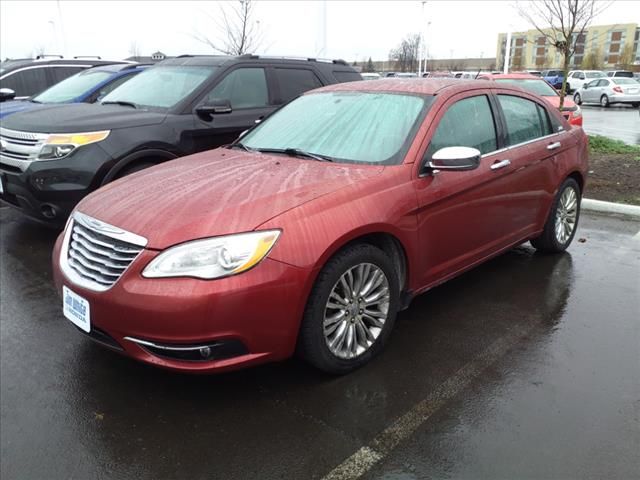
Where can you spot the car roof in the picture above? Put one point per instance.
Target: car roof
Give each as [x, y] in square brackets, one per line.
[516, 76]
[9, 65]
[220, 60]
[423, 86]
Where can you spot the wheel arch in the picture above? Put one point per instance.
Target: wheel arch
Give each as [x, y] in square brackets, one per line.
[152, 155]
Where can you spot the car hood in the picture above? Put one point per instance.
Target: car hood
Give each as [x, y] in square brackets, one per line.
[555, 101]
[215, 193]
[80, 117]
[7, 108]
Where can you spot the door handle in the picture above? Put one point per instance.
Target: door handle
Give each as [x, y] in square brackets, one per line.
[553, 146]
[500, 164]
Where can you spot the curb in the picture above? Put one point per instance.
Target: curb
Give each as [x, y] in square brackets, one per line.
[610, 207]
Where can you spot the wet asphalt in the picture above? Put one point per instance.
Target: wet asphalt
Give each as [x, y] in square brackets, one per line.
[526, 367]
[620, 122]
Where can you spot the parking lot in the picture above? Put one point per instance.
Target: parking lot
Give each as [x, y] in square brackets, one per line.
[620, 122]
[526, 367]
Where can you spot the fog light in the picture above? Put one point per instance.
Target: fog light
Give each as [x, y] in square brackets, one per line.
[205, 352]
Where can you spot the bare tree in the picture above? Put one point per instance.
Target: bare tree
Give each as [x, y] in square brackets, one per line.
[134, 49]
[561, 22]
[405, 55]
[626, 57]
[241, 30]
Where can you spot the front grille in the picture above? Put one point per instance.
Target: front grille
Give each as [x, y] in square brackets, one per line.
[19, 149]
[94, 257]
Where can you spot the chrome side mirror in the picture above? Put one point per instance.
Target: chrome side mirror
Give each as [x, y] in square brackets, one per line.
[455, 159]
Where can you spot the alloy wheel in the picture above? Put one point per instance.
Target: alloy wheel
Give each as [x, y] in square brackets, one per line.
[566, 215]
[356, 311]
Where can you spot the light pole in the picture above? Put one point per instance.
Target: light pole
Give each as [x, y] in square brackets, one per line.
[421, 46]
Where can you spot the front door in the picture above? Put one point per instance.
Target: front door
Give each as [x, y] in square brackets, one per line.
[248, 91]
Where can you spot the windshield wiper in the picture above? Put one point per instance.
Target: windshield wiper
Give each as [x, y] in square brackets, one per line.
[120, 102]
[241, 146]
[296, 152]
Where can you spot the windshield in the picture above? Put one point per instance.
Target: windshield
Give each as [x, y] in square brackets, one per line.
[345, 126]
[160, 87]
[539, 87]
[73, 87]
[594, 74]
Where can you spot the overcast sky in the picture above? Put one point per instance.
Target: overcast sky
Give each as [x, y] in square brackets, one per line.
[354, 29]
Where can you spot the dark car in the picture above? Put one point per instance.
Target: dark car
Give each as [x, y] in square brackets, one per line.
[23, 78]
[312, 232]
[88, 86]
[52, 158]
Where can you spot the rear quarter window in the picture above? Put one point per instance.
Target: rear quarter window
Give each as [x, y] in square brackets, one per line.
[346, 76]
[294, 81]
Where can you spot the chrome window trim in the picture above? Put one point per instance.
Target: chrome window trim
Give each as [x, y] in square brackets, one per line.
[109, 231]
[31, 67]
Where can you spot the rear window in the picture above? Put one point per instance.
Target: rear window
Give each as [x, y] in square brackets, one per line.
[539, 87]
[623, 74]
[346, 76]
[625, 81]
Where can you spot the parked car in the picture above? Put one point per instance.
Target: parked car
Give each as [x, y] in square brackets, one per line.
[607, 91]
[536, 73]
[553, 77]
[577, 78]
[88, 86]
[620, 73]
[406, 75]
[539, 86]
[370, 76]
[313, 230]
[20, 79]
[53, 157]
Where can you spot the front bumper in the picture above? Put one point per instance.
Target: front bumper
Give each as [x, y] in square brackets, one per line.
[253, 316]
[49, 190]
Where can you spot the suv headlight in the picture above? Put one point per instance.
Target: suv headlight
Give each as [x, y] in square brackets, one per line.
[213, 257]
[59, 145]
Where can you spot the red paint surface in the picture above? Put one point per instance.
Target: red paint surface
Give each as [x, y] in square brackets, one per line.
[446, 223]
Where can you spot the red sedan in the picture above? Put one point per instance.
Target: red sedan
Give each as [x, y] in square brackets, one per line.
[315, 228]
[541, 87]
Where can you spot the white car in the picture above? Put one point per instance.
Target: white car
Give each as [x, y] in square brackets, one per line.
[577, 78]
[607, 91]
[370, 76]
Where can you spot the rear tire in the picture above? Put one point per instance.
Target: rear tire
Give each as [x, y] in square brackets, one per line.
[342, 331]
[562, 222]
[578, 99]
[604, 101]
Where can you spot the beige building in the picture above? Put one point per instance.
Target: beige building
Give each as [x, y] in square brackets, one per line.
[600, 45]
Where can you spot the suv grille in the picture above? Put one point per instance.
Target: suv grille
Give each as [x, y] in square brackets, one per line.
[19, 149]
[93, 257]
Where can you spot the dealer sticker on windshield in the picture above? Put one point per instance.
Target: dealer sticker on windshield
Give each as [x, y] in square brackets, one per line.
[76, 309]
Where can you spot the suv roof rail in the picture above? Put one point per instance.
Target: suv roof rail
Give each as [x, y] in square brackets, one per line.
[288, 57]
[42, 57]
[78, 57]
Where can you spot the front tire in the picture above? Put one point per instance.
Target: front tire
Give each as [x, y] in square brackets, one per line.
[577, 99]
[604, 101]
[351, 310]
[562, 222]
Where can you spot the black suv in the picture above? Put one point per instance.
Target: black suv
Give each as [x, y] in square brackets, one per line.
[23, 78]
[52, 158]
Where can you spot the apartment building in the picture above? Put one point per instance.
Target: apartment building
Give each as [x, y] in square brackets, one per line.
[609, 46]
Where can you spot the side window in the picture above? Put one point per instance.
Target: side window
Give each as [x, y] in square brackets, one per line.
[593, 83]
[110, 87]
[467, 123]
[60, 73]
[343, 76]
[26, 82]
[603, 83]
[293, 82]
[544, 120]
[523, 119]
[244, 88]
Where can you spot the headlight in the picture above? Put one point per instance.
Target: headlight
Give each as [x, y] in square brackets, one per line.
[59, 145]
[213, 257]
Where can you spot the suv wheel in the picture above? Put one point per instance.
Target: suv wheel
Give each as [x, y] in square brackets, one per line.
[350, 311]
[562, 222]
